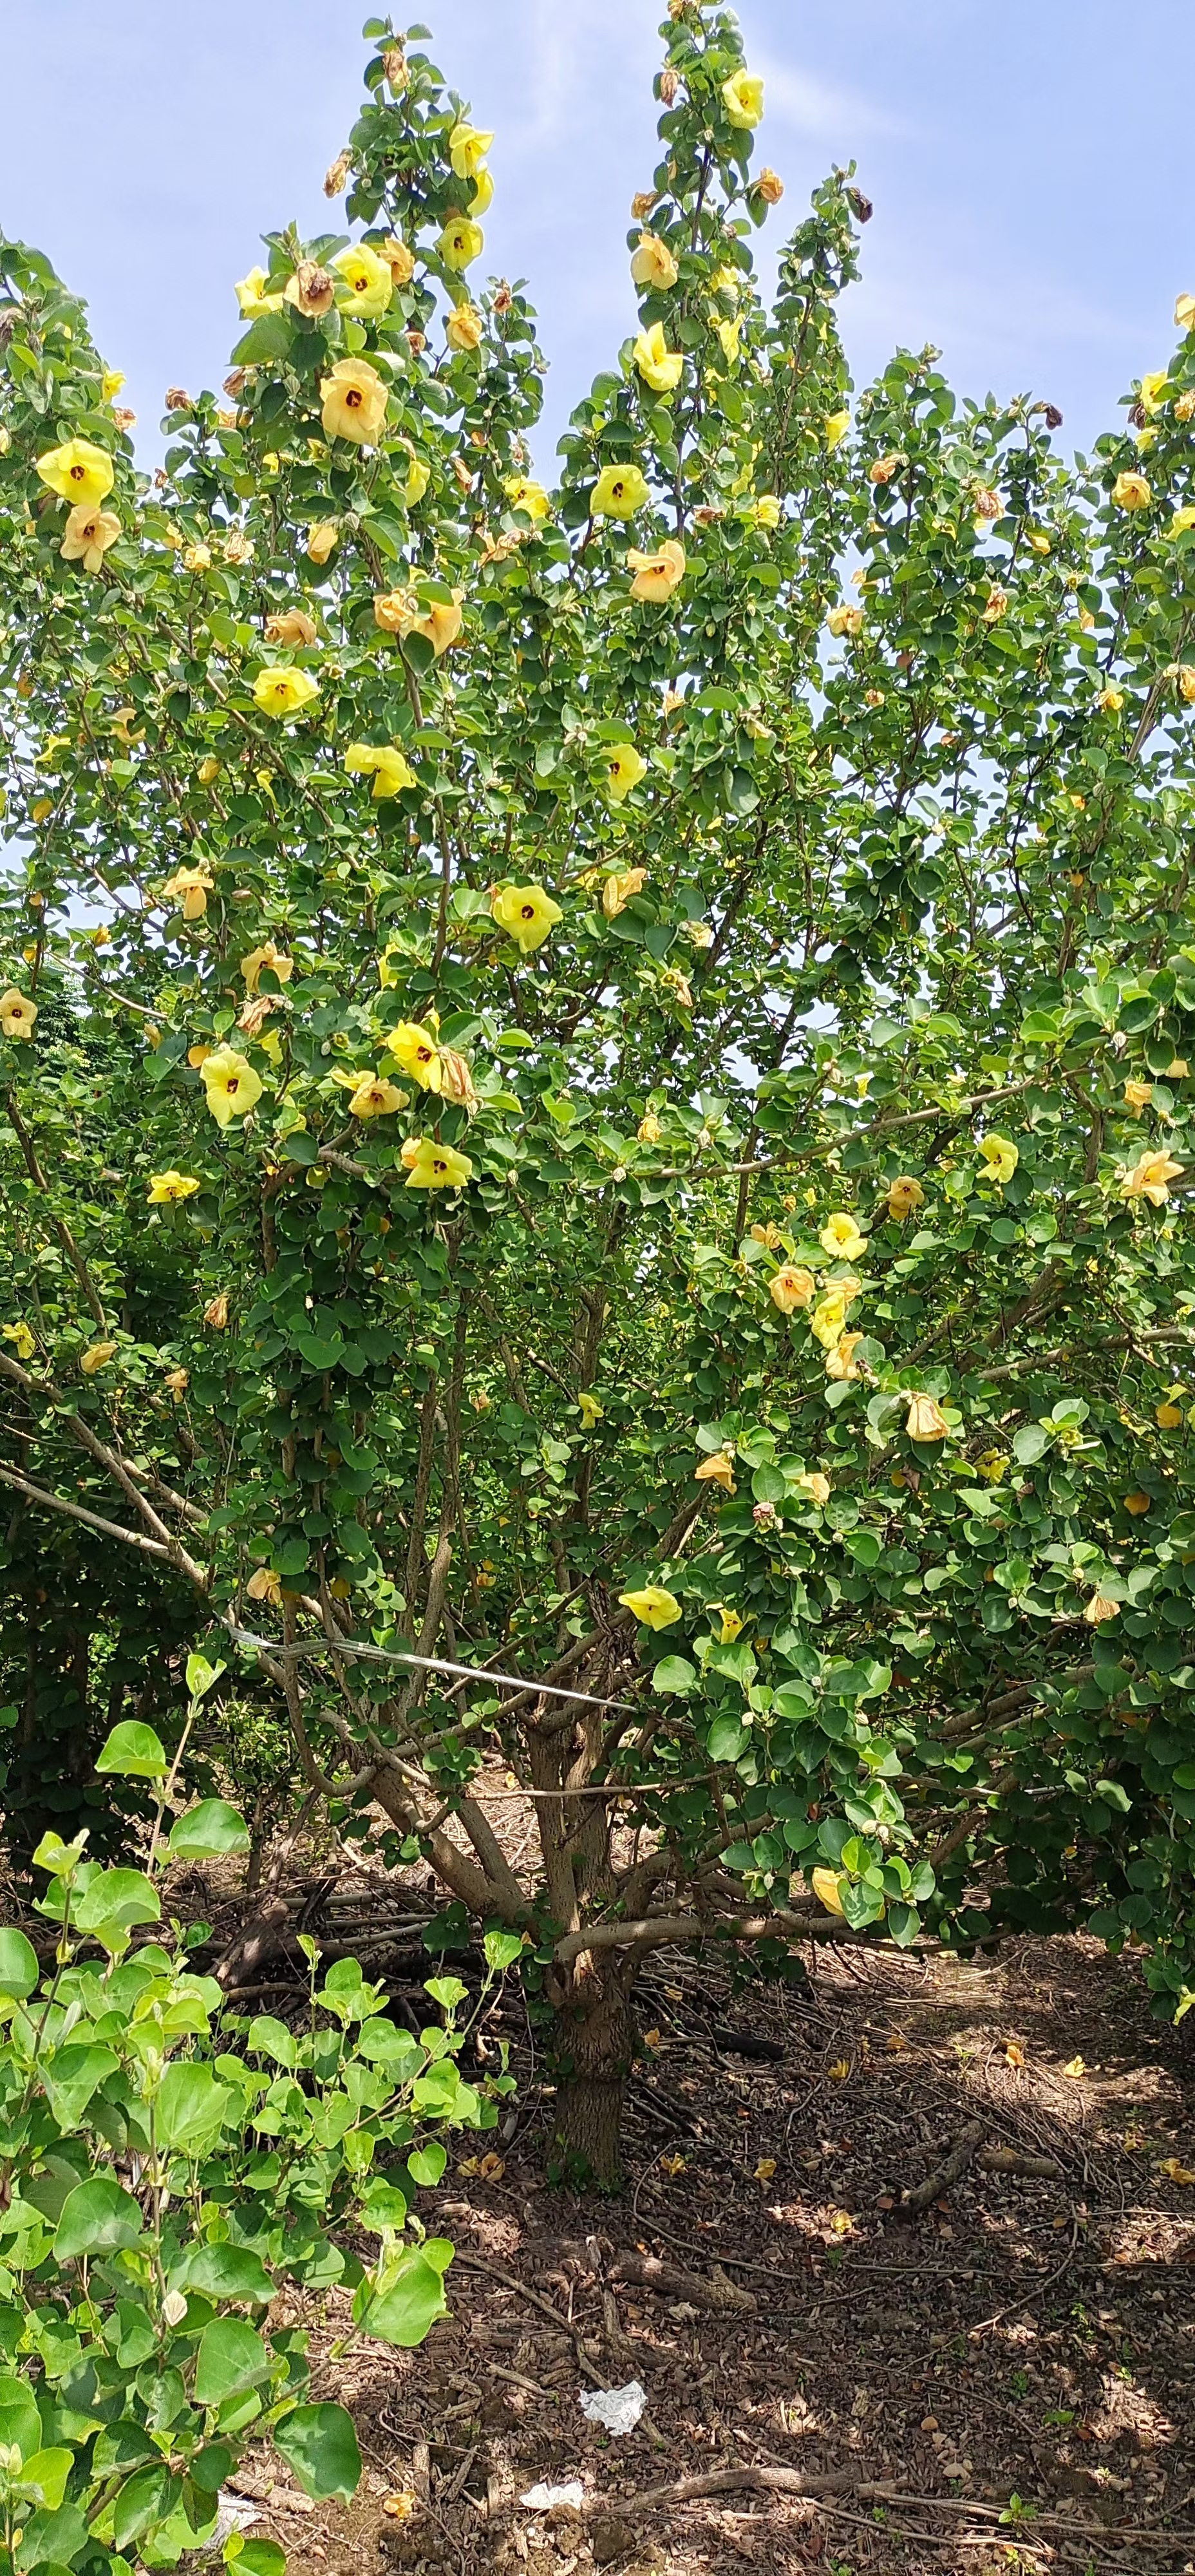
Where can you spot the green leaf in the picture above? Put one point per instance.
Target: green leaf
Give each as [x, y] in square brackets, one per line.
[427, 2164]
[501, 1950]
[98, 2217]
[727, 1740]
[113, 1901]
[19, 1971]
[260, 2557]
[20, 2423]
[202, 1676]
[269, 337]
[405, 2313]
[1029, 1444]
[674, 1676]
[192, 2107]
[231, 2357]
[48, 2472]
[226, 2272]
[211, 1828]
[144, 2499]
[134, 1752]
[319, 2446]
[53, 2539]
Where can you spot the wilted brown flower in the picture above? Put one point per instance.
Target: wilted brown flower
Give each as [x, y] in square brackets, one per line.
[669, 84]
[456, 1081]
[238, 548]
[861, 207]
[126, 420]
[416, 340]
[642, 203]
[503, 298]
[310, 290]
[235, 383]
[215, 1313]
[291, 626]
[335, 176]
[176, 399]
[769, 186]
[394, 64]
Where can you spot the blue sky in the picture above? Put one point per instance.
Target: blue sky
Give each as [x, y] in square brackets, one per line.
[1029, 169]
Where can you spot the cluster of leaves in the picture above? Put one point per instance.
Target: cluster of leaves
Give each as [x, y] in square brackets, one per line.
[675, 1189]
[169, 2166]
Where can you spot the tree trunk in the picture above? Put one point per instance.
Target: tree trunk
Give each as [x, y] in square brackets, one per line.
[597, 2049]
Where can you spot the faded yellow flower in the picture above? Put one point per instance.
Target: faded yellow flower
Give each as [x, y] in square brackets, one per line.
[321, 539]
[845, 620]
[652, 264]
[1186, 682]
[649, 1130]
[78, 471]
[395, 611]
[464, 327]
[619, 491]
[817, 1486]
[618, 891]
[17, 1015]
[279, 964]
[1150, 1176]
[925, 1420]
[659, 366]
[430, 1166]
[96, 1356]
[526, 913]
[841, 1363]
[399, 259]
[885, 467]
[995, 606]
[1100, 1608]
[1131, 491]
[353, 400]
[905, 1196]
[167, 1187]
[657, 575]
[718, 1470]
[654, 1607]
[191, 887]
[265, 1585]
[1136, 1503]
[215, 1313]
[230, 1084]
[1138, 1096]
[176, 1382]
[291, 626]
[87, 536]
[769, 186]
[374, 1098]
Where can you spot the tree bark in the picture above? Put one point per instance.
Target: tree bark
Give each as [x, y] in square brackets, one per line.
[597, 2049]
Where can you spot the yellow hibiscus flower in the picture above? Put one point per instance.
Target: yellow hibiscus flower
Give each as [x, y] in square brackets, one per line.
[230, 1084]
[430, 1166]
[167, 1187]
[78, 471]
[526, 912]
[654, 1607]
[384, 763]
[282, 692]
[619, 491]
[659, 366]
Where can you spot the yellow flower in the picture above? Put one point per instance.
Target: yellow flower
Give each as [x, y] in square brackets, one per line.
[618, 891]
[1149, 1177]
[483, 193]
[415, 1049]
[526, 912]
[111, 383]
[619, 491]
[742, 97]
[995, 606]
[652, 264]
[368, 279]
[1000, 1157]
[1138, 1096]
[649, 1130]
[461, 242]
[841, 1363]
[430, 1166]
[250, 293]
[844, 620]
[841, 1238]
[659, 366]
[1110, 700]
[78, 471]
[992, 1466]
[905, 1196]
[374, 1098]
[829, 1314]
[716, 1471]
[1136, 1504]
[176, 1382]
[166, 1187]
[265, 1585]
[215, 1313]
[1100, 1608]
[280, 964]
[826, 1886]
[925, 1420]
[230, 1083]
[467, 148]
[765, 512]
[726, 332]
[730, 1624]
[209, 769]
[817, 1487]
[195, 558]
[1182, 520]
[658, 575]
[836, 427]
[765, 2170]
[525, 495]
[1131, 491]
[280, 692]
[193, 886]
[1168, 1414]
[590, 1410]
[96, 1356]
[1186, 682]
[464, 327]
[653, 1606]
[442, 624]
[1039, 541]
[353, 399]
[1151, 388]
[1184, 313]
[624, 769]
[384, 763]
[321, 539]
[16, 1014]
[21, 1338]
[87, 536]
[791, 1288]
[196, 1055]
[290, 626]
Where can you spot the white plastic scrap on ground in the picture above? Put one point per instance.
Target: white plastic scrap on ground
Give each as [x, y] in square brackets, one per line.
[618, 2409]
[541, 2498]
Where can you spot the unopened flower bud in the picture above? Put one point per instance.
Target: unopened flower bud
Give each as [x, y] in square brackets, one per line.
[764, 1515]
[416, 340]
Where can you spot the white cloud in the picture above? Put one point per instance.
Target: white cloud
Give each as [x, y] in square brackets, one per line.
[819, 109]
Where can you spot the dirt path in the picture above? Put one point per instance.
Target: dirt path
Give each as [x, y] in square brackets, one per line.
[1025, 2337]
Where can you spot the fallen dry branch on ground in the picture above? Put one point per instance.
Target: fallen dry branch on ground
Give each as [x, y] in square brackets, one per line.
[969, 2149]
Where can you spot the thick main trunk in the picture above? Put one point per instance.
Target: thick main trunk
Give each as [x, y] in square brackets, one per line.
[596, 2052]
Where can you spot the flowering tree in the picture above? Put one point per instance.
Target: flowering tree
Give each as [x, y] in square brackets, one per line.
[599, 1097]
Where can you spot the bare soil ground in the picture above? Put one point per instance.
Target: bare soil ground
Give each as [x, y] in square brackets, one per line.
[1003, 2382]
